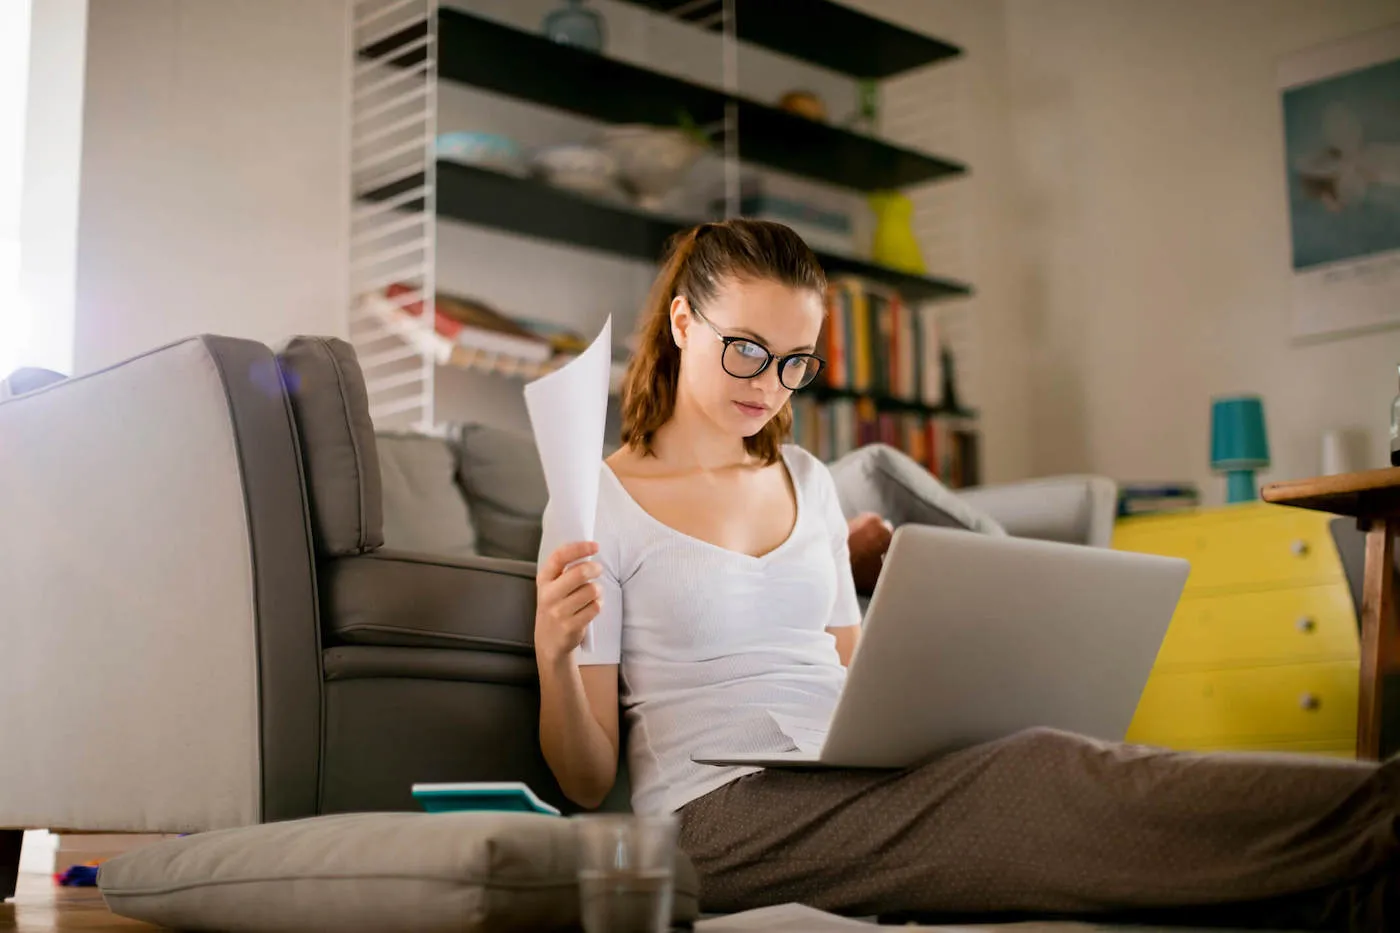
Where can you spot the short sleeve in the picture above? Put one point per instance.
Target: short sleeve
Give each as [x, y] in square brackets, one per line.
[604, 642]
[846, 609]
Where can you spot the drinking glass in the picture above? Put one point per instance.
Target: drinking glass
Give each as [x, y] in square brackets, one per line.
[626, 868]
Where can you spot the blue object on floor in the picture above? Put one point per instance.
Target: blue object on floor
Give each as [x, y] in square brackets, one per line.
[79, 876]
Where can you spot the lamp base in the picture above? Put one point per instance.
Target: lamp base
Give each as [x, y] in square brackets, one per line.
[1240, 486]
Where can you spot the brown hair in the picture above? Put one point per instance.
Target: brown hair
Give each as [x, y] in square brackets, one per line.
[697, 261]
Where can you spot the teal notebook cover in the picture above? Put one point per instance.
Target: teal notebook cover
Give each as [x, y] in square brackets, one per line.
[505, 796]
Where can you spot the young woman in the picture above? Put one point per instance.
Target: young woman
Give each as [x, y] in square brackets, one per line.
[720, 589]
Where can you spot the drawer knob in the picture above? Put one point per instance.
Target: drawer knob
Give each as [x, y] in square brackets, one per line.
[1300, 548]
[1307, 625]
[1310, 701]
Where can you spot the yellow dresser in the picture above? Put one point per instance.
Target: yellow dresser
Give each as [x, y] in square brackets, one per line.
[1262, 652]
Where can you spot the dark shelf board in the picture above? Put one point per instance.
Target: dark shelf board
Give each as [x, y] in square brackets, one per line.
[824, 33]
[486, 54]
[824, 393]
[913, 287]
[532, 208]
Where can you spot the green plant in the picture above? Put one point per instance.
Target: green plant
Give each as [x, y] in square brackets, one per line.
[687, 125]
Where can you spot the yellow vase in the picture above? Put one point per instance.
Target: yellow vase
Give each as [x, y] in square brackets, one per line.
[894, 244]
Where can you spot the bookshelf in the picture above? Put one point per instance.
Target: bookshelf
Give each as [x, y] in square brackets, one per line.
[893, 389]
[833, 35]
[887, 380]
[504, 202]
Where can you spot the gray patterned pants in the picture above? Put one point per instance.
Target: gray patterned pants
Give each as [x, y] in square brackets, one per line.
[1048, 823]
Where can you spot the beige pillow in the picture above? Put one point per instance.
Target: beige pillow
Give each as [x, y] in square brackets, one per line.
[363, 872]
[424, 510]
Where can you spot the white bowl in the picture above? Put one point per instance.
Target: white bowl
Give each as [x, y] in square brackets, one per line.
[652, 160]
[578, 167]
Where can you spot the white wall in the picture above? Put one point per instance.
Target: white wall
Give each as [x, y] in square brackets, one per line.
[214, 190]
[53, 142]
[1154, 234]
[966, 227]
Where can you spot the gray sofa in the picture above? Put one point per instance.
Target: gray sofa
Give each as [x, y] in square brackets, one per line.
[205, 627]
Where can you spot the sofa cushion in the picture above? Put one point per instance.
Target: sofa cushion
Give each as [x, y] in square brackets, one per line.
[424, 510]
[506, 492]
[424, 601]
[878, 478]
[354, 872]
[331, 407]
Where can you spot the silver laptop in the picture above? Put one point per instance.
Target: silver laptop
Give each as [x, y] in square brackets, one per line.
[970, 638]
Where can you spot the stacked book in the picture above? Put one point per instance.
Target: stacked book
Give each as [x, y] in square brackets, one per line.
[472, 335]
[1157, 498]
[475, 325]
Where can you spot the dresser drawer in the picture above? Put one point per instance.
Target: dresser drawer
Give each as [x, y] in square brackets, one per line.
[1248, 706]
[1282, 626]
[1248, 546]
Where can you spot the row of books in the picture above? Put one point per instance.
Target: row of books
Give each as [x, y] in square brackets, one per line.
[874, 342]
[947, 446]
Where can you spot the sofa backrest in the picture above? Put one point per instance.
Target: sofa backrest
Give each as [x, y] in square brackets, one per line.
[339, 459]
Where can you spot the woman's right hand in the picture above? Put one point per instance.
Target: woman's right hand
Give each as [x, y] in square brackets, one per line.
[566, 600]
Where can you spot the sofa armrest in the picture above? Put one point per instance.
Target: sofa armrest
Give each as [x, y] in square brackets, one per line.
[159, 669]
[1072, 509]
[407, 600]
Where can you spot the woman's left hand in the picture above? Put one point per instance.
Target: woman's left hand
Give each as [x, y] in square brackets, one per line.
[868, 538]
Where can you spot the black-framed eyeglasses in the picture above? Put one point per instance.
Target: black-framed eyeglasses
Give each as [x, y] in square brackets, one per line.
[744, 358]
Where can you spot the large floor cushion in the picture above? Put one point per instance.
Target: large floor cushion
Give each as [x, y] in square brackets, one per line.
[366, 873]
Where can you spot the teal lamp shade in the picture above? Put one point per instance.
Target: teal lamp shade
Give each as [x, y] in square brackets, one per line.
[1238, 444]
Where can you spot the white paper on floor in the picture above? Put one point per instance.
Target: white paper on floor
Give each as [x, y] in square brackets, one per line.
[795, 918]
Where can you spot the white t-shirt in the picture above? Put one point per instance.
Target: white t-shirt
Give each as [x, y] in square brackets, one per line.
[709, 640]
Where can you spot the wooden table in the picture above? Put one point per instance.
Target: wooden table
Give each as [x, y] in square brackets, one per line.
[1373, 499]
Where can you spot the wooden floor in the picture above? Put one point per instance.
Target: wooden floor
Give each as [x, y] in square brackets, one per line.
[42, 907]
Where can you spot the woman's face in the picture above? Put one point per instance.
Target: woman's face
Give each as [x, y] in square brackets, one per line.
[780, 319]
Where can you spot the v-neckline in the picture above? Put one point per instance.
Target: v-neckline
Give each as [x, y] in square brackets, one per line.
[761, 558]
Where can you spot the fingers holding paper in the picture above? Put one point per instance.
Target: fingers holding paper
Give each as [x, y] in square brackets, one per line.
[567, 599]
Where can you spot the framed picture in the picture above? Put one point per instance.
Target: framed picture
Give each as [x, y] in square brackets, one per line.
[1341, 119]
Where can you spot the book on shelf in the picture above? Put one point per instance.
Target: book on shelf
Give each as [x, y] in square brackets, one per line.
[947, 446]
[875, 342]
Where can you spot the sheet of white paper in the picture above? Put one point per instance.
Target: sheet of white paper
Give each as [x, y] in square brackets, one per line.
[784, 918]
[797, 918]
[568, 414]
[807, 734]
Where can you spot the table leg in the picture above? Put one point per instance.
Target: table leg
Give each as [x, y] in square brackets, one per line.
[1380, 641]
